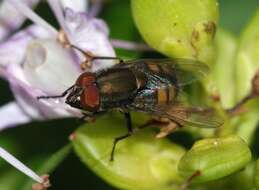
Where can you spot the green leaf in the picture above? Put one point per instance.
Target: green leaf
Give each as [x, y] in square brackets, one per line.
[141, 161]
[248, 122]
[257, 175]
[10, 179]
[215, 158]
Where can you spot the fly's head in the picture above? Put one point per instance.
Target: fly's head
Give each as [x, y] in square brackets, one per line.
[85, 93]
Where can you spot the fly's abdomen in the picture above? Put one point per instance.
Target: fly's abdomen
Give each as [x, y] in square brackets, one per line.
[166, 95]
[158, 96]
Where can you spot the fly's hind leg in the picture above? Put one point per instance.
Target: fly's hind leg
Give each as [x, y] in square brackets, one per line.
[128, 134]
[165, 125]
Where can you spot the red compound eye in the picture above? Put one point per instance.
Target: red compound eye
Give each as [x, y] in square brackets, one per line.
[86, 79]
[90, 98]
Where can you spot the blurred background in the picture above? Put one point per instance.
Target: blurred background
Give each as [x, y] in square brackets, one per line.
[36, 141]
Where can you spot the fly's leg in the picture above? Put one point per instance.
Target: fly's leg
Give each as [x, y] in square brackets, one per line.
[166, 126]
[129, 133]
[90, 57]
[58, 96]
[87, 118]
[62, 38]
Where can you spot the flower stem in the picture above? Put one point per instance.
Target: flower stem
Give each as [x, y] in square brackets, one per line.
[57, 10]
[30, 14]
[96, 8]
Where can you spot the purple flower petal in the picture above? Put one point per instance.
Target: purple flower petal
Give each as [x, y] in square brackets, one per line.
[128, 45]
[13, 50]
[27, 83]
[95, 8]
[10, 18]
[89, 34]
[59, 5]
[25, 10]
[45, 67]
[10, 111]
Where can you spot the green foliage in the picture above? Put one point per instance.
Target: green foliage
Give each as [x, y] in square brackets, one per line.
[141, 161]
[215, 158]
[180, 28]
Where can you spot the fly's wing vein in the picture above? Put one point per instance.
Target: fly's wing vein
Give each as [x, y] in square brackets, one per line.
[185, 70]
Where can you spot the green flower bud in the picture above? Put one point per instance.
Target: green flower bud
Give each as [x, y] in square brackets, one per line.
[257, 175]
[179, 28]
[141, 161]
[248, 122]
[222, 76]
[215, 158]
[247, 58]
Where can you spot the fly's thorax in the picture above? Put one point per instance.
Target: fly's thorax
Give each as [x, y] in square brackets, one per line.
[117, 87]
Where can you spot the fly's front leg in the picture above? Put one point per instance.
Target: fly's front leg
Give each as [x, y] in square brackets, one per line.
[129, 133]
[87, 118]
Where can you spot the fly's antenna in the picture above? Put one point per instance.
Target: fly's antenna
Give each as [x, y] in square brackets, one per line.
[57, 96]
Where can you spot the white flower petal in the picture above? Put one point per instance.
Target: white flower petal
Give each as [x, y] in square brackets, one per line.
[50, 67]
[26, 97]
[11, 115]
[11, 19]
[76, 5]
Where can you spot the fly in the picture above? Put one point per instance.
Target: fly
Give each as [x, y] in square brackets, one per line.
[151, 86]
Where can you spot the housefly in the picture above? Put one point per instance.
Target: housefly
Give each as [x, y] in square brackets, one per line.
[151, 86]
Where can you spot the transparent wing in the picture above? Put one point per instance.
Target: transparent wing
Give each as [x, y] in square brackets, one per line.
[185, 70]
[187, 116]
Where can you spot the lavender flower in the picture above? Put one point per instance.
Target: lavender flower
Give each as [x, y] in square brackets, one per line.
[36, 64]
